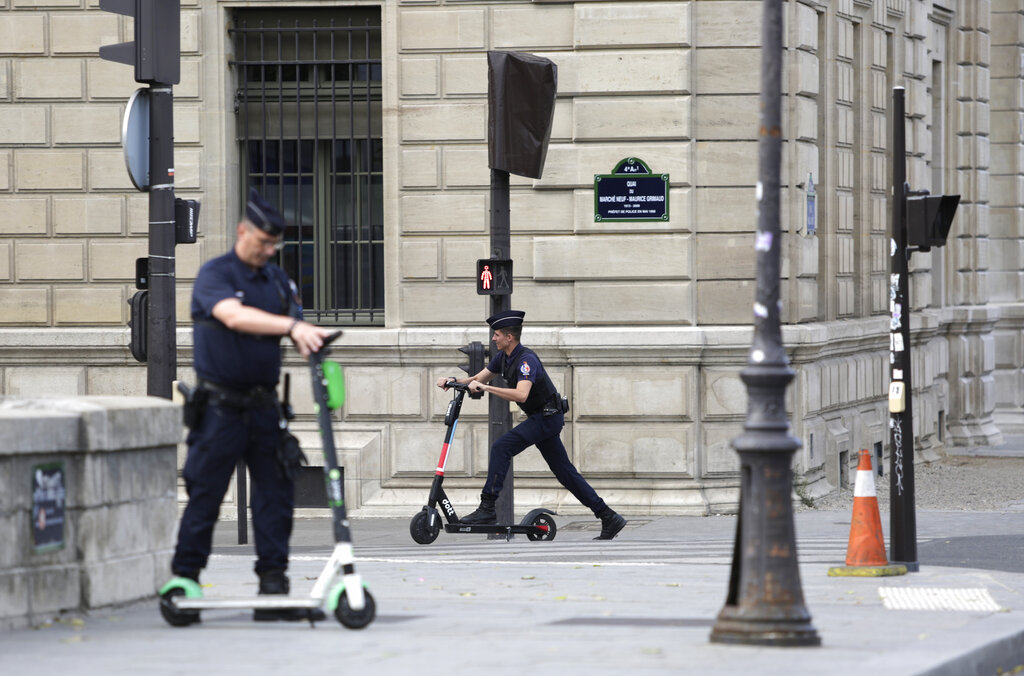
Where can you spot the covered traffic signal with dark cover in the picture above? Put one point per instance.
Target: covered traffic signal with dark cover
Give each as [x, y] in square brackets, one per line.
[155, 52]
[521, 106]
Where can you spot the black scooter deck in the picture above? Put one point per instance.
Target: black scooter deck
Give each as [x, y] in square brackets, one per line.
[494, 529]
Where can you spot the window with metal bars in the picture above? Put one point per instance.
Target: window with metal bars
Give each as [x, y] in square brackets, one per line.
[308, 109]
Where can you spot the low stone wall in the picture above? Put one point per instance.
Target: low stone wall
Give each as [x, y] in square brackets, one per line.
[87, 502]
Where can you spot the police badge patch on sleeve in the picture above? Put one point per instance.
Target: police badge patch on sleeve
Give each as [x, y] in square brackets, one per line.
[524, 368]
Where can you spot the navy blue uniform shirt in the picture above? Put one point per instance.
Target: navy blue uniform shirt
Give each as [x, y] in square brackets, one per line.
[527, 368]
[237, 360]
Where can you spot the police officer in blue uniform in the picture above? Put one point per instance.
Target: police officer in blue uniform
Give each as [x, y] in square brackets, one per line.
[530, 387]
[242, 305]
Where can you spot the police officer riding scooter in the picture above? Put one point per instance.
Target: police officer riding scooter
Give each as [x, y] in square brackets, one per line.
[530, 387]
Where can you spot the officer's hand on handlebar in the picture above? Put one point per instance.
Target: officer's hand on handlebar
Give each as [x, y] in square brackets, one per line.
[444, 381]
[476, 386]
[308, 338]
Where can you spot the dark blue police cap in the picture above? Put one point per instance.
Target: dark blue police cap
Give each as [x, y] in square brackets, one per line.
[506, 319]
[264, 216]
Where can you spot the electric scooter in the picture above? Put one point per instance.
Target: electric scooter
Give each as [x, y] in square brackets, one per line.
[181, 599]
[426, 525]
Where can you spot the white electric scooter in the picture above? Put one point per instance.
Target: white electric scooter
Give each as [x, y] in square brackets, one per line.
[339, 589]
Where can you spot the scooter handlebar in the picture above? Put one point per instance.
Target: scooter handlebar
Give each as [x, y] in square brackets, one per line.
[331, 337]
[459, 387]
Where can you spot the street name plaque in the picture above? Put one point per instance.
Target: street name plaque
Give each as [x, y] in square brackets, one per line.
[631, 193]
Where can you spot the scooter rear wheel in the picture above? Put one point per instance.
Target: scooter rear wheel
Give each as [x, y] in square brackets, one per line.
[543, 520]
[173, 616]
[421, 530]
[356, 619]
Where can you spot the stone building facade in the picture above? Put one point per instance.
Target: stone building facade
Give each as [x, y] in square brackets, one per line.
[645, 325]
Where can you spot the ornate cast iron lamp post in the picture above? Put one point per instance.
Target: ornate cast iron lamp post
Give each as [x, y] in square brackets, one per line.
[765, 602]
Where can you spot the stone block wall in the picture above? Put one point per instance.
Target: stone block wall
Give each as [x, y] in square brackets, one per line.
[654, 315]
[72, 223]
[120, 509]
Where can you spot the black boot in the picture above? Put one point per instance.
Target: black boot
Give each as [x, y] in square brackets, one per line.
[611, 523]
[276, 582]
[484, 514]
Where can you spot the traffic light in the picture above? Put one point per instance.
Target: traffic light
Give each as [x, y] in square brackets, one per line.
[476, 353]
[138, 323]
[156, 51]
[186, 221]
[494, 277]
[521, 92]
[929, 218]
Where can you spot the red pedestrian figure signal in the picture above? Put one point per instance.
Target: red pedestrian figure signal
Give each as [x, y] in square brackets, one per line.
[494, 277]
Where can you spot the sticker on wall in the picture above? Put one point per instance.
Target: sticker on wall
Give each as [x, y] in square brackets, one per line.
[48, 500]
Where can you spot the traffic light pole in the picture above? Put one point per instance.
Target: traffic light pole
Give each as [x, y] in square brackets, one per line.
[902, 517]
[499, 417]
[161, 331]
[156, 57]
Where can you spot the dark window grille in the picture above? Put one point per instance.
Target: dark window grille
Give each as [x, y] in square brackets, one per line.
[308, 108]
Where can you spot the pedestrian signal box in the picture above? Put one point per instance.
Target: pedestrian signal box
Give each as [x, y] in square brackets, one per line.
[494, 277]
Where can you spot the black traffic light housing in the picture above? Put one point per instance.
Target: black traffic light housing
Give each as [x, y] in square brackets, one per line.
[156, 50]
[186, 221]
[477, 354]
[929, 218]
[138, 323]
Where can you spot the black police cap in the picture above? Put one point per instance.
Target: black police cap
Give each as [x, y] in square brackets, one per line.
[506, 319]
[260, 213]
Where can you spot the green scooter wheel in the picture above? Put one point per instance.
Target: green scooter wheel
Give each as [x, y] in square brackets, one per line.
[173, 616]
[356, 619]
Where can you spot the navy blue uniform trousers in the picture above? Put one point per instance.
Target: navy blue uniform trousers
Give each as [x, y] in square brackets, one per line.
[540, 431]
[225, 435]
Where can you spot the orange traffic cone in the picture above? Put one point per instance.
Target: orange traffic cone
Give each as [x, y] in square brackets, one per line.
[866, 546]
[865, 552]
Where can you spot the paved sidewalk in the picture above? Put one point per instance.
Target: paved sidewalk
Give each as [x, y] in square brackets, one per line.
[641, 604]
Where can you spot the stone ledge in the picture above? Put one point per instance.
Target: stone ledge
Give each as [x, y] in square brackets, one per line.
[86, 424]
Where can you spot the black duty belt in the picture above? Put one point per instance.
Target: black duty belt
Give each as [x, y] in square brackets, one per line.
[254, 397]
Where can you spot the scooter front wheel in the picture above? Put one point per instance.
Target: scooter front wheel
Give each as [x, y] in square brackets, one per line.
[421, 530]
[173, 616]
[356, 619]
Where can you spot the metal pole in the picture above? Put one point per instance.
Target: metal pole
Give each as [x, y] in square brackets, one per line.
[242, 503]
[902, 519]
[765, 604]
[499, 416]
[161, 342]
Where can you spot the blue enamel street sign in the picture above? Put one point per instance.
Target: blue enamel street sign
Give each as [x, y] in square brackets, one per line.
[631, 193]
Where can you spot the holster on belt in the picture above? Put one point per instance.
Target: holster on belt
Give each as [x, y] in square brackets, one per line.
[557, 404]
[195, 402]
